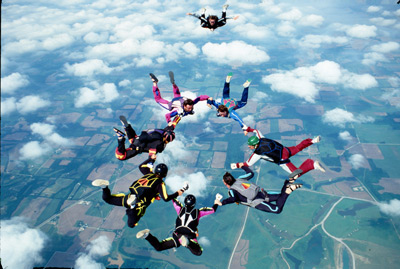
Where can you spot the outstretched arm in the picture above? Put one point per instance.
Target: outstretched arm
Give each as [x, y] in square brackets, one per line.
[236, 117]
[211, 102]
[201, 98]
[249, 173]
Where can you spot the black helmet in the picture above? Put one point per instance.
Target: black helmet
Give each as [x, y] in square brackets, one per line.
[190, 200]
[169, 136]
[161, 169]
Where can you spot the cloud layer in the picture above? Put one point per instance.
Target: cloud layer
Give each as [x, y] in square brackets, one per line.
[21, 245]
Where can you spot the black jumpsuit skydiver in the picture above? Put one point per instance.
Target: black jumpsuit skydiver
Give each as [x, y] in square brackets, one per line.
[186, 224]
[148, 188]
[150, 141]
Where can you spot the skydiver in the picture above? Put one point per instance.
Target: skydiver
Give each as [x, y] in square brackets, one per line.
[143, 191]
[250, 194]
[212, 22]
[272, 151]
[178, 106]
[228, 106]
[152, 141]
[186, 223]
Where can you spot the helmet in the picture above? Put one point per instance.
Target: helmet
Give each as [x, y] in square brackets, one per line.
[169, 136]
[253, 140]
[190, 200]
[161, 169]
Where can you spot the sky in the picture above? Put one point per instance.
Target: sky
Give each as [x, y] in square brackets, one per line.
[96, 45]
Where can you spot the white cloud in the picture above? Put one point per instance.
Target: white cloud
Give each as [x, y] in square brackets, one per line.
[252, 31]
[371, 58]
[345, 135]
[249, 121]
[260, 96]
[124, 83]
[30, 104]
[21, 245]
[358, 82]
[8, 106]
[302, 81]
[312, 20]
[12, 82]
[88, 68]
[361, 31]
[315, 41]
[197, 183]
[382, 21]
[391, 208]
[204, 241]
[339, 117]
[105, 93]
[372, 9]
[386, 47]
[388, 96]
[234, 53]
[33, 150]
[96, 248]
[285, 29]
[93, 38]
[357, 161]
[292, 15]
[47, 132]
[57, 41]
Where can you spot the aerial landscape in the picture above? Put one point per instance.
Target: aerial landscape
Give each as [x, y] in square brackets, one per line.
[70, 69]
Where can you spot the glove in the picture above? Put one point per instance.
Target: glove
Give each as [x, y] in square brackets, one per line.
[218, 197]
[244, 128]
[185, 186]
[234, 165]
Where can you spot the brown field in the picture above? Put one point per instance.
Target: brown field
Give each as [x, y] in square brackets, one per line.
[390, 185]
[104, 172]
[241, 255]
[286, 125]
[35, 207]
[372, 151]
[114, 220]
[98, 139]
[218, 160]
[271, 112]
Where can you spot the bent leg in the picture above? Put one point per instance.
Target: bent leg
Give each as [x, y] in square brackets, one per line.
[225, 92]
[195, 247]
[245, 96]
[157, 96]
[296, 149]
[306, 166]
[113, 199]
[176, 91]
[274, 208]
[121, 153]
[130, 133]
[163, 245]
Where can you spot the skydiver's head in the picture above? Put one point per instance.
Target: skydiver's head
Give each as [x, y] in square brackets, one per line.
[212, 20]
[222, 111]
[228, 180]
[161, 170]
[168, 136]
[253, 141]
[188, 105]
[190, 201]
